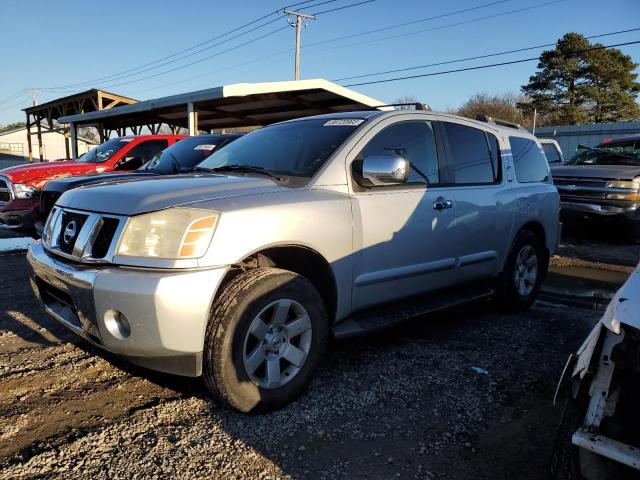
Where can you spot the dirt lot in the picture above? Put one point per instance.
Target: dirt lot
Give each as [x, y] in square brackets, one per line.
[405, 403]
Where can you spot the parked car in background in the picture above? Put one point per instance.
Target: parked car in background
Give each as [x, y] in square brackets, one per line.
[552, 151]
[603, 183]
[343, 223]
[599, 435]
[20, 186]
[181, 157]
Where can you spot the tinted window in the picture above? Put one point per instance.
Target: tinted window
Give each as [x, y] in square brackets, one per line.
[141, 153]
[474, 154]
[296, 148]
[186, 154]
[551, 152]
[530, 162]
[413, 141]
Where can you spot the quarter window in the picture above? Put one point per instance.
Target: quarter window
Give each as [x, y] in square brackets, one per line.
[531, 164]
[475, 156]
[550, 150]
[412, 140]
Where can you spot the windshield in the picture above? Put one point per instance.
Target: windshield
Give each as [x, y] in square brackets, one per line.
[296, 149]
[186, 154]
[104, 152]
[619, 153]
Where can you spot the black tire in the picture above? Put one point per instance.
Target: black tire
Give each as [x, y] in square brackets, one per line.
[565, 459]
[507, 291]
[635, 234]
[240, 302]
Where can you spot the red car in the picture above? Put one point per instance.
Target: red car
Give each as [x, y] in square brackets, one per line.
[20, 185]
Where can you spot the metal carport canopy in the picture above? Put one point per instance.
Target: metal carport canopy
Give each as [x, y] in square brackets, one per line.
[235, 105]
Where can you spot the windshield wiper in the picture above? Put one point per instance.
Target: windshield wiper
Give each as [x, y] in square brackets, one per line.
[243, 168]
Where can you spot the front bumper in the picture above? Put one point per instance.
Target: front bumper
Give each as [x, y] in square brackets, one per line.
[19, 214]
[629, 213]
[167, 311]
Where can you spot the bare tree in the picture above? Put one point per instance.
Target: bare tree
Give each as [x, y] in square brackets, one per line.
[503, 106]
[409, 100]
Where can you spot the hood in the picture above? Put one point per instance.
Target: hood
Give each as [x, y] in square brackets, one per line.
[63, 184]
[37, 174]
[150, 194]
[605, 172]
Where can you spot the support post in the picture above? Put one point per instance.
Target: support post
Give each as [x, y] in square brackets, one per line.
[74, 141]
[66, 143]
[29, 138]
[40, 149]
[193, 119]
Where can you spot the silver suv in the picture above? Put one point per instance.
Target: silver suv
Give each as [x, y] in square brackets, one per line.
[338, 224]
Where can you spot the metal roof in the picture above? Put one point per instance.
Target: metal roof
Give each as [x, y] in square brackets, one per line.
[235, 105]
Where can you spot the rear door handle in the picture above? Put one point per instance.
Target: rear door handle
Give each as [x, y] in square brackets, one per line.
[442, 204]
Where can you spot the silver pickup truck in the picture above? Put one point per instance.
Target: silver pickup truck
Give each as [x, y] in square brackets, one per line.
[331, 225]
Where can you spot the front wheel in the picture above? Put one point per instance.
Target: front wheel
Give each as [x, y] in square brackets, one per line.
[520, 281]
[266, 336]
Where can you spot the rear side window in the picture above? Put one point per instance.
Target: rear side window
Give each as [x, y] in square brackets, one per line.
[531, 164]
[475, 156]
[550, 150]
[413, 140]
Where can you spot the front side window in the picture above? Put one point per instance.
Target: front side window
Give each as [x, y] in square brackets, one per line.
[412, 140]
[529, 161]
[298, 149]
[104, 151]
[475, 157]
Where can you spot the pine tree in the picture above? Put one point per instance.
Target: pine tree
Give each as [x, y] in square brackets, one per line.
[576, 83]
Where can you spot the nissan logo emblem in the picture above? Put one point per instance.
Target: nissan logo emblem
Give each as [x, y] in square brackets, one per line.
[70, 232]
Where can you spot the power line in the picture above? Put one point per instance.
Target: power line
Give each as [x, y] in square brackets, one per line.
[440, 27]
[479, 67]
[22, 101]
[279, 29]
[11, 97]
[477, 57]
[287, 51]
[343, 7]
[413, 22]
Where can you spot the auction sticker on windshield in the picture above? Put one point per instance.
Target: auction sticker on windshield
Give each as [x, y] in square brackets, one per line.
[343, 122]
[205, 147]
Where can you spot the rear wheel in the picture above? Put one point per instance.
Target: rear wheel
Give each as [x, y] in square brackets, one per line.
[520, 281]
[266, 336]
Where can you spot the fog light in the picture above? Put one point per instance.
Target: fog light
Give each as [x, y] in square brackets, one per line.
[117, 324]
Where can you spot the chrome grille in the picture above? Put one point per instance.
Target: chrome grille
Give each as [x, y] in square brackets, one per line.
[82, 236]
[587, 188]
[5, 190]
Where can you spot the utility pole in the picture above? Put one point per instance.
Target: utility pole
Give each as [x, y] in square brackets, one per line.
[298, 24]
[34, 96]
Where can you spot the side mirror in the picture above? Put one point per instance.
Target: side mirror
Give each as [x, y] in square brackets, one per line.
[381, 170]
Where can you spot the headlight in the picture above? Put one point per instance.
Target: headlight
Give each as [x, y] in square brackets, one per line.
[626, 184]
[175, 233]
[20, 190]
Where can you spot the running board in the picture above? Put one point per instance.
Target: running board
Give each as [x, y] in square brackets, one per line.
[381, 317]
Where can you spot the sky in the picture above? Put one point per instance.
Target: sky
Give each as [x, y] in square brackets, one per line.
[63, 47]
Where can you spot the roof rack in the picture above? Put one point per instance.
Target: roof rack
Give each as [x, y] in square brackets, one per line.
[497, 121]
[415, 105]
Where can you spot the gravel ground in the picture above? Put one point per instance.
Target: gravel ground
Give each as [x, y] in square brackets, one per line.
[405, 403]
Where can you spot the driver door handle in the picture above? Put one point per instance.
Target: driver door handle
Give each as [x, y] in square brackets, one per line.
[442, 204]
